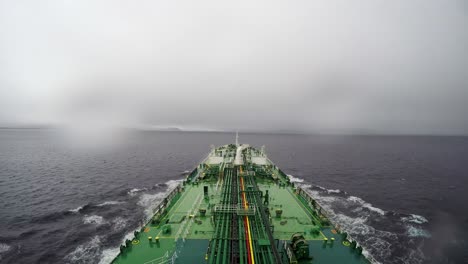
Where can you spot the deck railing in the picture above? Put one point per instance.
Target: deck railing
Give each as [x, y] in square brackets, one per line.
[306, 195]
[235, 208]
[161, 260]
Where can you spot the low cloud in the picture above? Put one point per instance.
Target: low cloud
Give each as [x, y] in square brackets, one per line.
[309, 66]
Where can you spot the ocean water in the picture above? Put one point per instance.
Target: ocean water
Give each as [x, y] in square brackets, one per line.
[404, 198]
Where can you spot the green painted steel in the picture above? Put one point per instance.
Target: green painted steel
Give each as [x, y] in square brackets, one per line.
[202, 220]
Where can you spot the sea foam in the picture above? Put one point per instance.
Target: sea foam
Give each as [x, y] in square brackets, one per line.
[85, 253]
[93, 219]
[109, 203]
[108, 255]
[417, 232]
[4, 247]
[347, 212]
[366, 204]
[413, 218]
[135, 191]
[295, 179]
[76, 210]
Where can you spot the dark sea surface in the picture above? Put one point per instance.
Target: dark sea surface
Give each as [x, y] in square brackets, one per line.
[404, 198]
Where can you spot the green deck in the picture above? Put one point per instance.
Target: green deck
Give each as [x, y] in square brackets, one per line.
[220, 236]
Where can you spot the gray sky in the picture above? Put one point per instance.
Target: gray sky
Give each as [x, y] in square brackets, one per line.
[367, 66]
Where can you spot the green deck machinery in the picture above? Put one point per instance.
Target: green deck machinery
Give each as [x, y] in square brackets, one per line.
[299, 246]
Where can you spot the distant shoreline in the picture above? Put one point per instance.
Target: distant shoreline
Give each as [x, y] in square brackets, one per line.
[298, 133]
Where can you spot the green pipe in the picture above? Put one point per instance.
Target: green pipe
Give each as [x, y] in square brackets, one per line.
[226, 220]
[223, 222]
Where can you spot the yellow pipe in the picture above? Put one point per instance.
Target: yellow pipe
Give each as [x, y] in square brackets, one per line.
[250, 241]
[248, 222]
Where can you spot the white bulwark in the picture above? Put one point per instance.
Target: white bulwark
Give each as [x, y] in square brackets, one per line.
[212, 160]
[260, 160]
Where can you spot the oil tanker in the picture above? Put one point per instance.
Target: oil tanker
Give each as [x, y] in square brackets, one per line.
[237, 206]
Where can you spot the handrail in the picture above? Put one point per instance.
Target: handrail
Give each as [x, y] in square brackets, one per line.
[235, 208]
[159, 260]
[349, 237]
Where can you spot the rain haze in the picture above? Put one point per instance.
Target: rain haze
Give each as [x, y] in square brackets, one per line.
[384, 67]
[118, 123]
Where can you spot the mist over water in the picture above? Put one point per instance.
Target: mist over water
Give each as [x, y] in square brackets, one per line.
[399, 196]
[96, 72]
[311, 66]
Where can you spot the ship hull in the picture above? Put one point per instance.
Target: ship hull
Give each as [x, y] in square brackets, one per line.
[236, 206]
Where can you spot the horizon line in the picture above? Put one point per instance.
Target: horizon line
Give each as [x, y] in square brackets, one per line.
[276, 132]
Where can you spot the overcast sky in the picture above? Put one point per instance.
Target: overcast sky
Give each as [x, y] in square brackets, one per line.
[364, 66]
